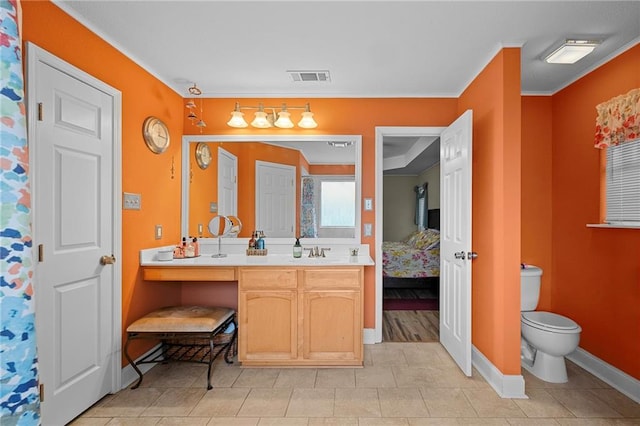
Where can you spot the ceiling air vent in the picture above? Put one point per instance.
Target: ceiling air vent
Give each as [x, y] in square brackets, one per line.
[305, 76]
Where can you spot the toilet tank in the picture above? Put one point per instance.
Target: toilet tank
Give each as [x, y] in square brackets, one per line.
[529, 287]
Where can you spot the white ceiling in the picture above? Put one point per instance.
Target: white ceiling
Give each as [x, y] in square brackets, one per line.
[370, 48]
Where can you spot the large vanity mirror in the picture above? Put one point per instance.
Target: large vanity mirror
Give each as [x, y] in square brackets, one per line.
[286, 186]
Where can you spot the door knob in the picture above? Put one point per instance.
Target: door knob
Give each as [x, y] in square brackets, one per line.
[107, 260]
[459, 255]
[472, 255]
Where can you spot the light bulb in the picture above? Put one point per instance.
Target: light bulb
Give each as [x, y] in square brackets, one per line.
[237, 120]
[307, 121]
[260, 121]
[284, 120]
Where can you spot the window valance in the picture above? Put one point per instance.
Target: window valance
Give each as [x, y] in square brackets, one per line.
[618, 120]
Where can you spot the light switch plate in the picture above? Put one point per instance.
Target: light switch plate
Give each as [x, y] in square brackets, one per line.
[131, 201]
[158, 232]
[368, 203]
[213, 207]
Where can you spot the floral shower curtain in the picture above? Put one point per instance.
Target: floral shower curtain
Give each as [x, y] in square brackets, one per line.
[19, 396]
[618, 120]
[308, 224]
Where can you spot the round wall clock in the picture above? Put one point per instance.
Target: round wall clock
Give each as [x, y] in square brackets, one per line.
[203, 155]
[156, 134]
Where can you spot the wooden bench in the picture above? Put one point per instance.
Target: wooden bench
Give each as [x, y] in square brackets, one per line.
[187, 334]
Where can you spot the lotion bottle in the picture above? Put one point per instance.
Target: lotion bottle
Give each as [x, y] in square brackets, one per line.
[297, 248]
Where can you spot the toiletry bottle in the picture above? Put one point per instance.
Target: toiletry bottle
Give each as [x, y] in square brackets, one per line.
[297, 249]
[190, 250]
[196, 246]
[252, 241]
[260, 241]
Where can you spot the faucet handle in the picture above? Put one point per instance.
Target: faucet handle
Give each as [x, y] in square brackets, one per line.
[323, 250]
[310, 251]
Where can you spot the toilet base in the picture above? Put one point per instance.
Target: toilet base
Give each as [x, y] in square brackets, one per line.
[549, 368]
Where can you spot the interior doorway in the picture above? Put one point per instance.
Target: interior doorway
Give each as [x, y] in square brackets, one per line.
[403, 320]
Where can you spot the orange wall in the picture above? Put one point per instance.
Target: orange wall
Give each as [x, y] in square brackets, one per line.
[537, 189]
[494, 97]
[346, 117]
[143, 172]
[595, 272]
[332, 169]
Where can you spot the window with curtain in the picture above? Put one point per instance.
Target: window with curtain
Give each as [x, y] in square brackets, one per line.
[422, 202]
[618, 131]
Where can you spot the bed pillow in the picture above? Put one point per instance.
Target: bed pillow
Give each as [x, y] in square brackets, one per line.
[425, 239]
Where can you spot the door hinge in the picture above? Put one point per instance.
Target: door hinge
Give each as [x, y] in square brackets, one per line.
[40, 252]
[41, 392]
[39, 111]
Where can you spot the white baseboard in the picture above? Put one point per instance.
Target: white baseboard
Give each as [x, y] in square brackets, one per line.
[129, 375]
[506, 386]
[609, 374]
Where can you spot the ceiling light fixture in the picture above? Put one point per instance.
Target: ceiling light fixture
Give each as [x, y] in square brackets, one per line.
[571, 51]
[191, 105]
[265, 119]
[339, 144]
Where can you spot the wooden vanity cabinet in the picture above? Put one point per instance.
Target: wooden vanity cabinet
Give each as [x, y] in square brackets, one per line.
[331, 304]
[300, 316]
[267, 315]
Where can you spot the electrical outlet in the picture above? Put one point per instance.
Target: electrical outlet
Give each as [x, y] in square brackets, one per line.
[131, 201]
[213, 207]
[367, 229]
[158, 232]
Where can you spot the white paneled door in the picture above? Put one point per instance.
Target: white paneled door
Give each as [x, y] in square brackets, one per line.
[227, 183]
[455, 240]
[74, 141]
[275, 199]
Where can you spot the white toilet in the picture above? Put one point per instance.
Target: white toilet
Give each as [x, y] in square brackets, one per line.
[546, 337]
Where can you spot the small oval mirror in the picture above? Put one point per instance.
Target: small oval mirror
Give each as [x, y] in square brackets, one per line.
[220, 226]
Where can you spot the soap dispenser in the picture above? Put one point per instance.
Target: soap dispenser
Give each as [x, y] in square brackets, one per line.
[297, 248]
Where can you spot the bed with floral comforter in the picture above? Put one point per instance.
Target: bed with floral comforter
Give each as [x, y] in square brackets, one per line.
[416, 257]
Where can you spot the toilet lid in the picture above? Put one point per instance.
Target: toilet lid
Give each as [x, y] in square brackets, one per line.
[549, 320]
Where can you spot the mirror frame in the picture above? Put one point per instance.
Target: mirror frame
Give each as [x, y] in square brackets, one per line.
[186, 160]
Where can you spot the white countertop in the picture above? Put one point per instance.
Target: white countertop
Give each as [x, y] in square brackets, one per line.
[278, 256]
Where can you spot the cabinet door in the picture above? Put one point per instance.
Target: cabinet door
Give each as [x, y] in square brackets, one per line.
[331, 304]
[267, 325]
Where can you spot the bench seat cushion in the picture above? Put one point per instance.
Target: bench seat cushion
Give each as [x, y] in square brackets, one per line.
[182, 319]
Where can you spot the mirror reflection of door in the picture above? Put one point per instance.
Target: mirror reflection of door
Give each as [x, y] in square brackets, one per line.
[227, 183]
[275, 199]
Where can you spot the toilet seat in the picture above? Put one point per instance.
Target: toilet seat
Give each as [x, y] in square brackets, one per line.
[551, 322]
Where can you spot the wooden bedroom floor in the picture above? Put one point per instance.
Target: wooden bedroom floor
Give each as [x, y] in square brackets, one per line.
[410, 326]
[407, 325]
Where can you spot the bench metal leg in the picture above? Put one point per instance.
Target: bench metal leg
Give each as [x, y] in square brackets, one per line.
[132, 363]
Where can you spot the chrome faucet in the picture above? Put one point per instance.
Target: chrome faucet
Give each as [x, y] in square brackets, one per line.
[317, 252]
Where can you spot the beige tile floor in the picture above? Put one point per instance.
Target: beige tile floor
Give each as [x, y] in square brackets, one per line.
[400, 384]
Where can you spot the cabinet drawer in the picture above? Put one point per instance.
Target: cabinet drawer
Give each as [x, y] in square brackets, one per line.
[253, 278]
[189, 273]
[332, 279]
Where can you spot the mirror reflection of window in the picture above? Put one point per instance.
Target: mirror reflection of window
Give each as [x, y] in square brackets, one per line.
[337, 204]
[328, 206]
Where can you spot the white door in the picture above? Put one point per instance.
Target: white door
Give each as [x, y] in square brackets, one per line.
[455, 240]
[227, 183]
[74, 141]
[275, 199]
